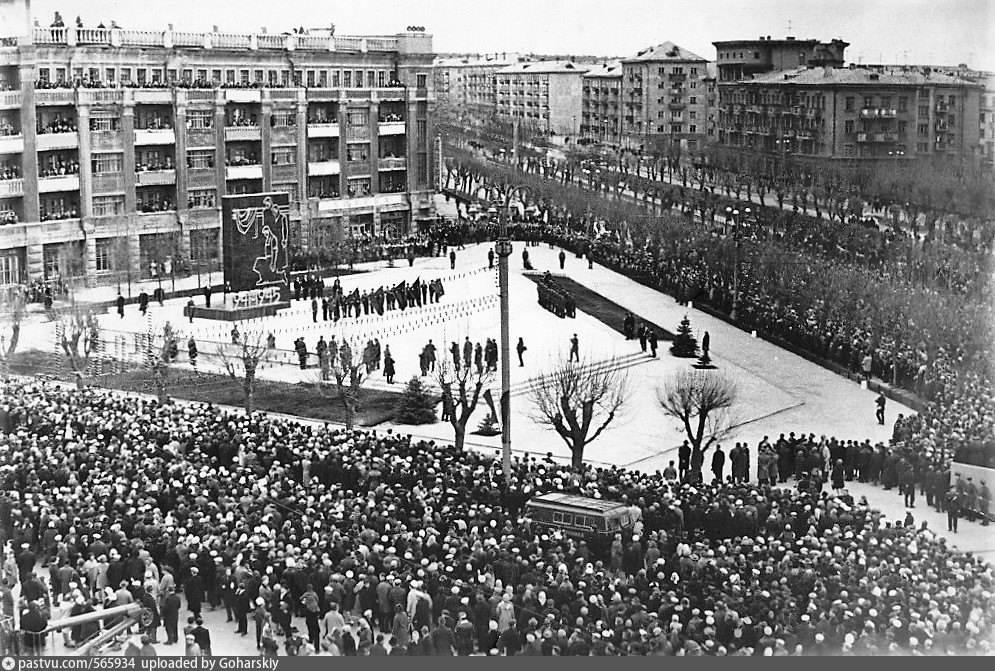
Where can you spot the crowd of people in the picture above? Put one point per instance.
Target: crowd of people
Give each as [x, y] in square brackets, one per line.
[379, 544]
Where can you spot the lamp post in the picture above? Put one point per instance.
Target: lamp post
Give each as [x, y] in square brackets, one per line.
[503, 249]
[734, 215]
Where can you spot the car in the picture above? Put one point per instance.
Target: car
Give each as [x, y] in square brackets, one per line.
[595, 520]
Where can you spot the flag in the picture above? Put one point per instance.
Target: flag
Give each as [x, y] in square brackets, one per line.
[378, 301]
[401, 292]
[490, 403]
[416, 289]
[439, 291]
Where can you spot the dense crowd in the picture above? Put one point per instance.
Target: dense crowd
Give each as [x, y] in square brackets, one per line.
[379, 542]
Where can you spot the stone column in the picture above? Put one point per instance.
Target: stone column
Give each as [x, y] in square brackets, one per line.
[128, 136]
[219, 135]
[266, 135]
[85, 166]
[180, 139]
[375, 154]
[29, 157]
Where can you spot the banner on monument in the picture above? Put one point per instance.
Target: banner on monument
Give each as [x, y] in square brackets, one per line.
[255, 238]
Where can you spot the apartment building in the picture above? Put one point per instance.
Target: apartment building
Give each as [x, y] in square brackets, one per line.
[466, 86]
[851, 113]
[737, 60]
[601, 103]
[986, 123]
[663, 99]
[543, 96]
[117, 144]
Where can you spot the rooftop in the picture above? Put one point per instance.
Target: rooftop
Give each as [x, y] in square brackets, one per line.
[545, 68]
[857, 76]
[767, 40]
[668, 51]
[478, 60]
[613, 69]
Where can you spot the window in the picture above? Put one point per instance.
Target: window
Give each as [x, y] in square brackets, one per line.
[107, 163]
[923, 130]
[157, 75]
[104, 248]
[868, 102]
[200, 198]
[201, 75]
[693, 101]
[359, 152]
[110, 74]
[171, 75]
[229, 76]
[272, 77]
[848, 126]
[952, 99]
[359, 187]
[258, 76]
[204, 244]
[903, 104]
[422, 81]
[422, 168]
[381, 79]
[106, 206]
[200, 158]
[322, 79]
[347, 78]
[216, 76]
[310, 79]
[244, 77]
[140, 74]
[283, 118]
[359, 119]
[43, 74]
[285, 77]
[848, 150]
[200, 119]
[335, 79]
[421, 132]
[283, 156]
[903, 127]
[105, 123]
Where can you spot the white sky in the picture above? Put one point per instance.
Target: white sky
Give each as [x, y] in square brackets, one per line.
[944, 32]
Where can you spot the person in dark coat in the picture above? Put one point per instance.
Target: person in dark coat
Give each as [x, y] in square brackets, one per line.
[207, 296]
[683, 459]
[452, 260]
[143, 302]
[563, 258]
[120, 305]
[718, 463]
[628, 326]
[836, 476]
[171, 615]
[654, 342]
[388, 366]
[202, 637]
[194, 590]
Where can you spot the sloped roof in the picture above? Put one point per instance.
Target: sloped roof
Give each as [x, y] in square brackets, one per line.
[668, 51]
[545, 67]
[853, 76]
[613, 69]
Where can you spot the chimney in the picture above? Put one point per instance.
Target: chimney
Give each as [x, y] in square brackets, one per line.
[262, 31]
[214, 29]
[169, 27]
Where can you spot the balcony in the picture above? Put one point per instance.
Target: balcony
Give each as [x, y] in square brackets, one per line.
[359, 168]
[878, 113]
[323, 130]
[154, 96]
[391, 128]
[320, 168]
[11, 188]
[234, 133]
[11, 144]
[155, 137]
[10, 99]
[155, 177]
[157, 222]
[380, 201]
[106, 140]
[877, 137]
[676, 105]
[108, 182]
[55, 97]
[677, 76]
[60, 183]
[243, 95]
[392, 163]
[244, 172]
[48, 141]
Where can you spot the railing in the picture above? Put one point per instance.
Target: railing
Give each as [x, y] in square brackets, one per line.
[229, 41]
[155, 177]
[271, 42]
[93, 35]
[141, 38]
[313, 42]
[348, 43]
[393, 163]
[10, 98]
[242, 133]
[320, 168]
[104, 183]
[188, 39]
[11, 188]
[871, 112]
[382, 44]
[322, 130]
[51, 35]
[55, 97]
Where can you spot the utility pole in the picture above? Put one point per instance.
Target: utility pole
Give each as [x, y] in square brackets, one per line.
[503, 248]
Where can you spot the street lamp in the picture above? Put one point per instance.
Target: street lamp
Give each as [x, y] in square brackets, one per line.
[503, 249]
[733, 215]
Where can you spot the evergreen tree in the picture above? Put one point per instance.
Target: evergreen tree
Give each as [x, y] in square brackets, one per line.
[685, 344]
[488, 426]
[416, 405]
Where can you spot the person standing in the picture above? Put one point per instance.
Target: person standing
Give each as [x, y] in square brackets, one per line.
[575, 348]
[490, 259]
[467, 352]
[953, 508]
[521, 348]
[563, 259]
[454, 350]
[642, 338]
[388, 365]
[314, 310]
[705, 342]
[654, 342]
[207, 296]
[195, 591]
[202, 636]
[192, 351]
[143, 303]
[683, 459]
[430, 355]
[718, 463]
[120, 305]
[452, 259]
[170, 610]
[628, 326]
[880, 411]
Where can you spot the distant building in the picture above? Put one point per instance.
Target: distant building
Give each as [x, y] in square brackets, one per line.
[117, 144]
[986, 123]
[601, 109]
[737, 60]
[466, 86]
[543, 96]
[663, 99]
[850, 113]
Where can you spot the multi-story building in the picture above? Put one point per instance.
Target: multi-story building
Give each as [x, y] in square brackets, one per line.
[742, 59]
[986, 123]
[851, 113]
[466, 86]
[601, 106]
[663, 98]
[117, 143]
[543, 96]
[711, 82]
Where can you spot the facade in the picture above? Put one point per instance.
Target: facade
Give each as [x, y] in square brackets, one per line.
[543, 96]
[737, 60]
[118, 144]
[986, 123]
[851, 113]
[601, 106]
[466, 86]
[663, 99]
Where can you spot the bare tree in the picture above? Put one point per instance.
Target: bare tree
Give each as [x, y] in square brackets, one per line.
[161, 356]
[13, 308]
[78, 334]
[702, 401]
[579, 401]
[349, 373]
[461, 389]
[246, 354]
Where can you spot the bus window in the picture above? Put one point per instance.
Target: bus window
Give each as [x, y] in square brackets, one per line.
[558, 517]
